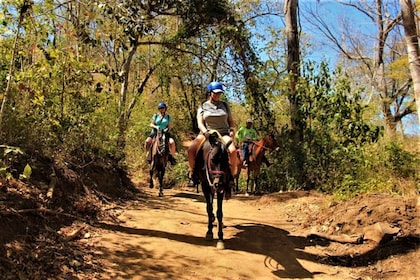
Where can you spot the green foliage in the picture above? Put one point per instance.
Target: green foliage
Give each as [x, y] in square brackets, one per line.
[400, 162]
[335, 134]
[10, 159]
[27, 172]
[388, 168]
[65, 93]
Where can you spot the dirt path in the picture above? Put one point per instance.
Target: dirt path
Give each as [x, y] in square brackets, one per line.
[163, 238]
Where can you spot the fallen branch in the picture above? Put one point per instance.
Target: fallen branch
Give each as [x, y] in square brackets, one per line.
[376, 233]
[342, 238]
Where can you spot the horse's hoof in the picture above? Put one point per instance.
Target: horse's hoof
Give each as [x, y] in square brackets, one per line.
[246, 194]
[151, 186]
[220, 245]
[160, 194]
[209, 237]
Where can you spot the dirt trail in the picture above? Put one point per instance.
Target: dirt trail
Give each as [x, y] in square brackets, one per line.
[163, 238]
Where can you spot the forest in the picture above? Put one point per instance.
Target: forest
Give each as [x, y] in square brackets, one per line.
[80, 81]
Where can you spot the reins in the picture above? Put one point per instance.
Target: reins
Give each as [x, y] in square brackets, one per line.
[161, 146]
[260, 145]
[209, 171]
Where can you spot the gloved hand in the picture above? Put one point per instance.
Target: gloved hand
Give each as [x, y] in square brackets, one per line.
[206, 134]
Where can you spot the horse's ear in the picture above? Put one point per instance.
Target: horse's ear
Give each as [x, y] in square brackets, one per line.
[213, 138]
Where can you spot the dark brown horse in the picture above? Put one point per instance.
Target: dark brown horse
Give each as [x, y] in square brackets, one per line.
[160, 154]
[212, 167]
[257, 151]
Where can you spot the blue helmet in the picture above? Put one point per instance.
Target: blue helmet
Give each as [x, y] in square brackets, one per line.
[215, 87]
[162, 105]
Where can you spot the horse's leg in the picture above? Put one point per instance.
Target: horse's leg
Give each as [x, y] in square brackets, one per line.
[219, 214]
[256, 180]
[161, 173]
[255, 184]
[236, 177]
[248, 178]
[151, 178]
[210, 216]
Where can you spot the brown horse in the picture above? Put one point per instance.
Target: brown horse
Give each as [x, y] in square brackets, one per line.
[256, 156]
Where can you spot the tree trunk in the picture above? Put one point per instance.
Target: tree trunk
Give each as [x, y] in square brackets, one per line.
[122, 119]
[296, 118]
[293, 62]
[379, 79]
[411, 37]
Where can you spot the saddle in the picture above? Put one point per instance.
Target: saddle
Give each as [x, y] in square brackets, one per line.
[211, 132]
[162, 145]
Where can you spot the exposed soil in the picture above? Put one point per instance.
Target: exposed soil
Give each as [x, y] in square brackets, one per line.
[120, 232]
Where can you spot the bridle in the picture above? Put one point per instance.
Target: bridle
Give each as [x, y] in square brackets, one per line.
[213, 176]
[161, 146]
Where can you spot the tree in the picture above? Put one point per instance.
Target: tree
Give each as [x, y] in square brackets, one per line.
[395, 99]
[293, 64]
[23, 10]
[412, 41]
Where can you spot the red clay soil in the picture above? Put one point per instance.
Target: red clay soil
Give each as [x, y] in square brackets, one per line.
[293, 235]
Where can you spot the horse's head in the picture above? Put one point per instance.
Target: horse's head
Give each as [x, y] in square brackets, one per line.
[217, 163]
[270, 141]
[162, 139]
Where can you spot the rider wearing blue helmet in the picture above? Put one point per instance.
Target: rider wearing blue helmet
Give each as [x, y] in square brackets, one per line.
[215, 87]
[213, 114]
[161, 120]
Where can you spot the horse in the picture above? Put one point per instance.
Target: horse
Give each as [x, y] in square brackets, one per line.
[257, 151]
[159, 158]
[212, 169]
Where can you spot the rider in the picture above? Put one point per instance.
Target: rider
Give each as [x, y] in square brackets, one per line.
[244, 136]
[161, 120]
[213, 114]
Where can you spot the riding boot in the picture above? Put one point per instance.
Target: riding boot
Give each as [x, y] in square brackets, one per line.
[172, 159]
[192, 151]
[191, 184]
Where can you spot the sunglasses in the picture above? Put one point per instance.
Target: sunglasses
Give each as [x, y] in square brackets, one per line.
[218, 93]
[161, 108]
